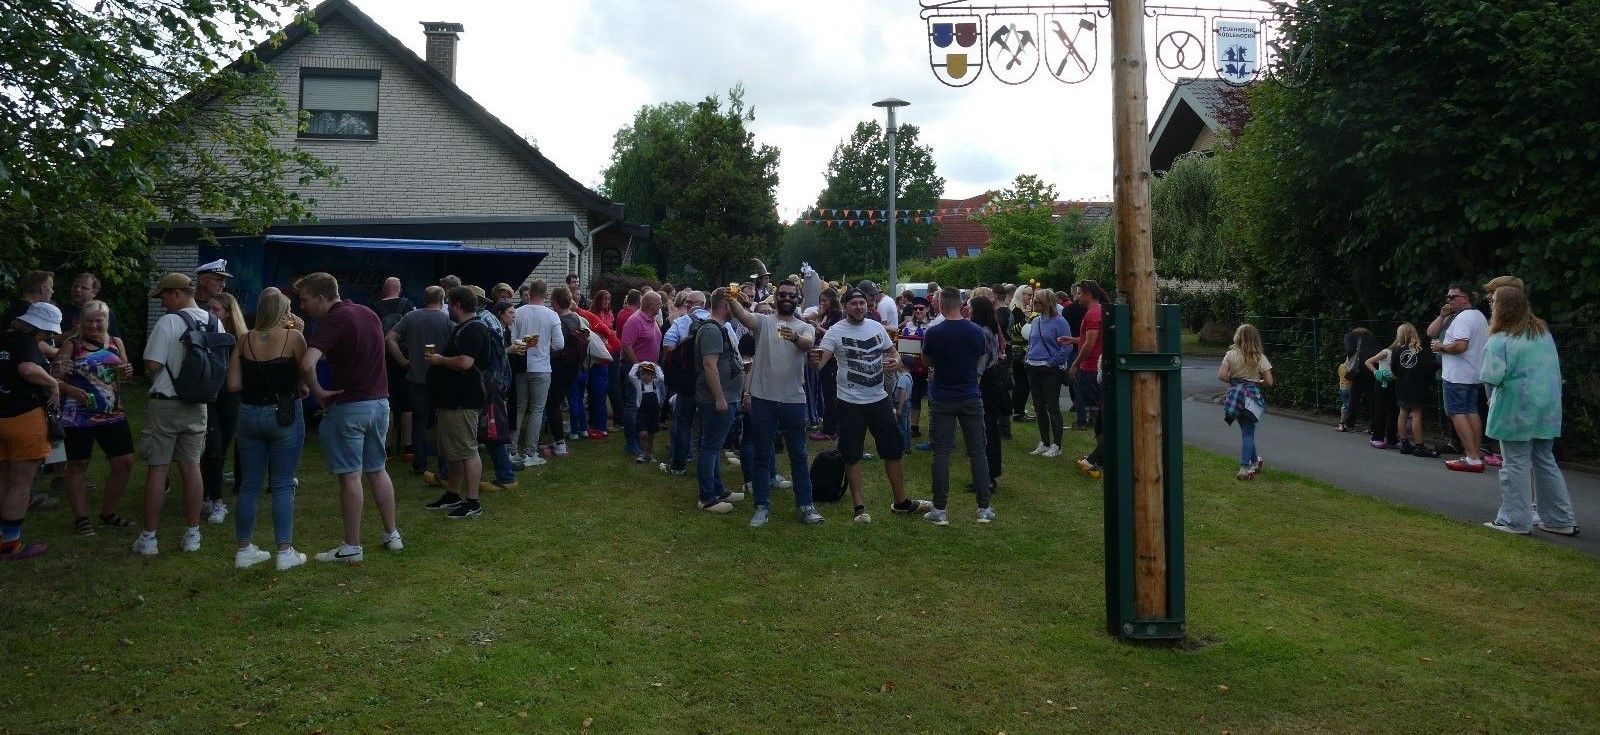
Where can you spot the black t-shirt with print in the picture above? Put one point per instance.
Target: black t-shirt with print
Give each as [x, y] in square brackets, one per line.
[449, 388]
[18, 396]
[1413, 370]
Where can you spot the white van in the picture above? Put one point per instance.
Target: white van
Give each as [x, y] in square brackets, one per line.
[920, 289]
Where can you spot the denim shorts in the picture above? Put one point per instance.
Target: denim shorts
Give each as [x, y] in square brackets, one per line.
[1461, 399]
[353, 435]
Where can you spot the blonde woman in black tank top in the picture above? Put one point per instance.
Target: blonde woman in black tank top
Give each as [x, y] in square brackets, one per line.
[271, 429]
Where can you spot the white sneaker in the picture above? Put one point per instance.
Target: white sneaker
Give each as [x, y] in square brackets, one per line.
[1536, 520]
[1039, 449]
[862, 517]
[289, 559]
[191, 539]
[517, 459]
[249, 556]
[533, 460]
[561, 449]
[781, 482]
[1051, 452]
[392, 542]
[343, 553]
[219, 511]
[145, 545]
[986, 515]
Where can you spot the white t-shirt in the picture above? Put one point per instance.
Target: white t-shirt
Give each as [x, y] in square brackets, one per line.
[860, 349]
[656, 385]
[888, 313]
[163, 346]
[545, 322]
[1466, 367]
[778, 373]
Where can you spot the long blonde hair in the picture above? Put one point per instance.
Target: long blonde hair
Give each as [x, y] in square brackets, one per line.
[1513, 315]
[1248, 342]
[1023, 298]
[271, 308]
[93, 307]
[1044, 302]
[1405, 336]
[235, 320]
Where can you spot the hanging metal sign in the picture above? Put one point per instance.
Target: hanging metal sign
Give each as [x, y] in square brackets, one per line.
[1239, 46]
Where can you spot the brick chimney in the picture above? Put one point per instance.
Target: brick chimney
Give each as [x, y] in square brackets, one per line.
[441, 49]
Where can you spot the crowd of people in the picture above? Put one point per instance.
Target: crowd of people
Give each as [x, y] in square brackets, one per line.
[1500, 380]
[733, 375]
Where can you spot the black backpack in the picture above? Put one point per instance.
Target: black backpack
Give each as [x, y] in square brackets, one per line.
[682, 362]
[827, 477]
[574, 346]
[206, 352]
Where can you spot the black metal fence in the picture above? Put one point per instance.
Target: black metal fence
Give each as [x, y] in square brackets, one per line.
[1306, 353]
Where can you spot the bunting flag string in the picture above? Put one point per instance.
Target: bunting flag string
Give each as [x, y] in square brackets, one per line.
[851, 217]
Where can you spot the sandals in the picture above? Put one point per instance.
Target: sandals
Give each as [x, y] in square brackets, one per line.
[83, 526]
[1341, 428]
[112, 520]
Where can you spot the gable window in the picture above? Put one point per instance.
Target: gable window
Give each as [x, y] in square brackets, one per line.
[339, 103]
[610, 260]
[974, 252]
[949, 252]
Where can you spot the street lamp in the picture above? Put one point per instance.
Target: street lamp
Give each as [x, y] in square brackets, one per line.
[890, 103]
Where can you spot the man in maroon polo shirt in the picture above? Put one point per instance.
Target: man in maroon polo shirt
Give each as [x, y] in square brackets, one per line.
[356, 407]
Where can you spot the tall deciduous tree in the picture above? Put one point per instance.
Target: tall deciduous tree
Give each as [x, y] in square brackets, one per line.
[1022, 222]
[696, 173]
[120, 113]
[857, 178]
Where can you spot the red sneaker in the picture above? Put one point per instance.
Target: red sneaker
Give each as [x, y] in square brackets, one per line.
[596, 435]
[1464, 465]
[1492, 459]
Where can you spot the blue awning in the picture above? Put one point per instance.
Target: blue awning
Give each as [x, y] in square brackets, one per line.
[362, 263]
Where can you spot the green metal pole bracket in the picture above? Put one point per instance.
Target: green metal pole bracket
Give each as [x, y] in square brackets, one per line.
[1117, 428]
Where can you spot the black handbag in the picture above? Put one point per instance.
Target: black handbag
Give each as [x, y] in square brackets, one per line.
[287, 410]
[53, 428]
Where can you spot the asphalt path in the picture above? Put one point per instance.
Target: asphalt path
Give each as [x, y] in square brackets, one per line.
[1312, 448]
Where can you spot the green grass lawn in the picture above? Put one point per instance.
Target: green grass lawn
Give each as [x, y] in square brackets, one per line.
[596, 594]
[1191, 345]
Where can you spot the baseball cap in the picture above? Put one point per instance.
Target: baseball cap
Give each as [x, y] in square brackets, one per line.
[867, 287]
[171, 281]
[853, 294]
[218, 267]
[1503, 281]
[44, 316]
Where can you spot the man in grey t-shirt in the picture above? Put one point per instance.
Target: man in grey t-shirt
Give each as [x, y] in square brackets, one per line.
[717, 390]
[778, 399]
[407, 343]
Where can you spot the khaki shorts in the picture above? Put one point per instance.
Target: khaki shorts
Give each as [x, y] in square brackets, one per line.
[174, 431]
[24, 438]
[457, 430]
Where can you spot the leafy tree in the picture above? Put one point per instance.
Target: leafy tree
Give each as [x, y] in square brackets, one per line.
[1185, 222]
[696, 174]
[1023, 224]
[118, 113]
[640, 177]
[802, 243]
[857, 179]
[1471, 154]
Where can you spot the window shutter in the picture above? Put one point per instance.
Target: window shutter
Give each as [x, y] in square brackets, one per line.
[339, 93]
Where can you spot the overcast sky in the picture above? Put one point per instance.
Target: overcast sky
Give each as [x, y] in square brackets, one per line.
[570, 73]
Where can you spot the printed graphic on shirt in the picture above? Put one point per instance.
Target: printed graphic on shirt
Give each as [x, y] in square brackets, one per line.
[863, 361]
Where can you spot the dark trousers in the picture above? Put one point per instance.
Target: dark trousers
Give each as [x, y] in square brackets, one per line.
[422, 421]
[1361, 388]
[1020, 387]
[561, 378]
[1044, 382]
[996, 421]
[1385, 414]
[942, 431]
[222, 417]
[830, 398]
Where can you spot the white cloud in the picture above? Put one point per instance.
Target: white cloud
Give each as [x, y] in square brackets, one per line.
[569, 73]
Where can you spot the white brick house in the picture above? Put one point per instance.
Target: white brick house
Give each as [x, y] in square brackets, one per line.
[419, 158]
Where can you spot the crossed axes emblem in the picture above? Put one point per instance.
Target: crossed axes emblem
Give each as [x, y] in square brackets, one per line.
[1024, 39]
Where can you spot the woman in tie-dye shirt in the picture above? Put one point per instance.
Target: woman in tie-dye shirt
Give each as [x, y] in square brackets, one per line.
[95, 364]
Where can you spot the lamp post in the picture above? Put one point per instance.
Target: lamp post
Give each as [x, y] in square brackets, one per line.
[890, 103]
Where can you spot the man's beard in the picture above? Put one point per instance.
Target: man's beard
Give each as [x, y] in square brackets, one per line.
[854, 319]
[786, 307]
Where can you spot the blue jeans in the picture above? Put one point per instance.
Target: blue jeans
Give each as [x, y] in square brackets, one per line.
[267, 450]
[767, 418]
[575, 395]
[682, 426]
[504, 473]
[599, 387]
[1086, 394]
[1555, 504]
[1247, 452]
[904, 422]
[714, 428]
